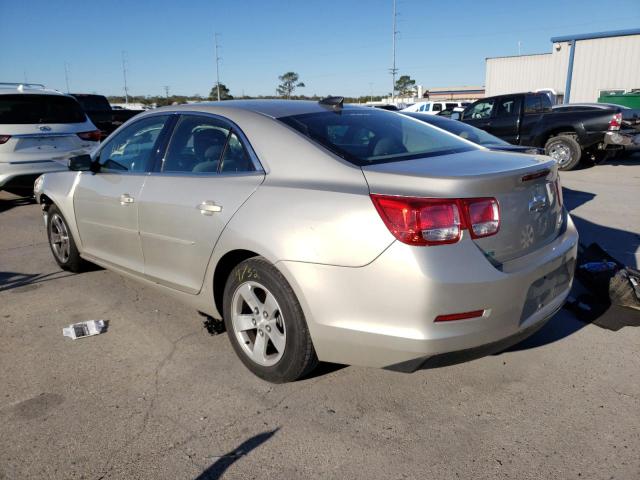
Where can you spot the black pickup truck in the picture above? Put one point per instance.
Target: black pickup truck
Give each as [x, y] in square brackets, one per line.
[99, 111]
[566, 134]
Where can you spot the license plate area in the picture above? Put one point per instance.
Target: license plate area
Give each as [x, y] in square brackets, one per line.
[545, 289]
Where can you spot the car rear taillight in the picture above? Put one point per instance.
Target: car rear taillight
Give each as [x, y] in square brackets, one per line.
[615, 122]
[92, 136]
[484, 216]
[4, 138]
[436, 221]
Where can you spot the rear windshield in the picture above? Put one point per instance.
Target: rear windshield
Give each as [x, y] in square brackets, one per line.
[93, 103]
[367, 136]
[33, 108]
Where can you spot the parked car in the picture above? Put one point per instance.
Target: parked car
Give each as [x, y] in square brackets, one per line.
[473, 134]
[38, 129]
[99, 110]
[433, 108]
[567, 135]
[319, 231]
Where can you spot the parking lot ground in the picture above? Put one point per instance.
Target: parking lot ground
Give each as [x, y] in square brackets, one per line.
[158, 397]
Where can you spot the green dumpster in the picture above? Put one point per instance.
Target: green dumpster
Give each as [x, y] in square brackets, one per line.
[629, 99]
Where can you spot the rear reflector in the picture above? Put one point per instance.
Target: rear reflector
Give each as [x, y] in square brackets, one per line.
[615, 122]
[4, 138]
[437, 221]
[459, 316]
[92, 136]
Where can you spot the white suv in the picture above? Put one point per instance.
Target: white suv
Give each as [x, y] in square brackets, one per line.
[435, 108]
[39, 129]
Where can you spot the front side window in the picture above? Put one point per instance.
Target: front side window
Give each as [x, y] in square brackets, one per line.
[437, 107]
[374, 136]
[29, 108]
[132, 149]
[451, 106]
[479, 110]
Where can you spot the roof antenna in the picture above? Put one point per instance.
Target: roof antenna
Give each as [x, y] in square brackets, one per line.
[335, 103]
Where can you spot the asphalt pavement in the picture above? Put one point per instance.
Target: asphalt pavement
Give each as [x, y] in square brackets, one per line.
[158, 397]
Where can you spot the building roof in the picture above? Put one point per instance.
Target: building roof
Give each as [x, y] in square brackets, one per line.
[589, 36]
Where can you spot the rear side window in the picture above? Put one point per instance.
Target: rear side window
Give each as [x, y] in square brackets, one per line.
[508, 107]
[30, 108]
[93, 103]
[532, 104]
[451, 106]
[437, 107]
[374, 136]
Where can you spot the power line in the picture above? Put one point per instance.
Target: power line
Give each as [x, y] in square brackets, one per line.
[66, 75]
[124, 74]
[393, 68]
[215, 39]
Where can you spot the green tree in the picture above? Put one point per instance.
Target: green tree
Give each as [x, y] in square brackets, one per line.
[289, 82]
[405, 86]
[224, 93]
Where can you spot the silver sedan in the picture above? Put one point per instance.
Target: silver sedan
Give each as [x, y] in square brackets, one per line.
[319, 231]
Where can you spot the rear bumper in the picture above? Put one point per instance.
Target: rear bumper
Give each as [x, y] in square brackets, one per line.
[21, 174]
[382, 315]
[621, 138]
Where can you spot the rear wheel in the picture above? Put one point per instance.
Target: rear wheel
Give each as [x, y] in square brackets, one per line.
[265, 323]
[61, 242]
[565, 150]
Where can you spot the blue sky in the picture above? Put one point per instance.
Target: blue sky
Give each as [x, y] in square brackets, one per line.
[337, 47]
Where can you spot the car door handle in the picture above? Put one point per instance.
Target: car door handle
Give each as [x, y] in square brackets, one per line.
[126, 199]
[209, 208]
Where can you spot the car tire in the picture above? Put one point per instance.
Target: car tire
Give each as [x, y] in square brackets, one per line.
[565, 150]
[63, 247]
[266, 324]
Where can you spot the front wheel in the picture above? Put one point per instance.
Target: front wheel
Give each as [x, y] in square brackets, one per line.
[61, 242]
[265, 323]
[565, 150]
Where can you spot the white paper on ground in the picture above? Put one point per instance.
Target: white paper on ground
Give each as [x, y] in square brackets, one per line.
[84, 329]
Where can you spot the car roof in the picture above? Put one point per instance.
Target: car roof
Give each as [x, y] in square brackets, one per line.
[26, 88]
[271, 108]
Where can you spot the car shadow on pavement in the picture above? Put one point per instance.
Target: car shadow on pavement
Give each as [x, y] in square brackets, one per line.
[9, 203]
[11, 280]
[220, 466]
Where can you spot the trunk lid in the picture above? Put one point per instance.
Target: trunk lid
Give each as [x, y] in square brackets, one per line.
[524, 185]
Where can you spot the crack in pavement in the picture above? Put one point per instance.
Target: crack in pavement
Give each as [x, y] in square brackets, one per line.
[108, 468]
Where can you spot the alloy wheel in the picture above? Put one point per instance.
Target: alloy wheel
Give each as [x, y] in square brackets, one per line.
[258, 323]
[60, 242]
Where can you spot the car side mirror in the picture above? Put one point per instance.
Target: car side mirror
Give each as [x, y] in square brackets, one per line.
[80, 163]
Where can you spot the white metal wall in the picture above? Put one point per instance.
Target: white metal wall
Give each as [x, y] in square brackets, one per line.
[599, 64]
[527, 72]
[603, 64]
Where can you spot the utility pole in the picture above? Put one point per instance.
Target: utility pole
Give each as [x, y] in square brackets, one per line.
[371, 91]
[393, 69]
[66, 75]
[519, 49]
[124, 74]
[215, 38]
[166, 93]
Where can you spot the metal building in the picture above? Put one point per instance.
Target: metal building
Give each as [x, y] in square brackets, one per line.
[578, 68]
